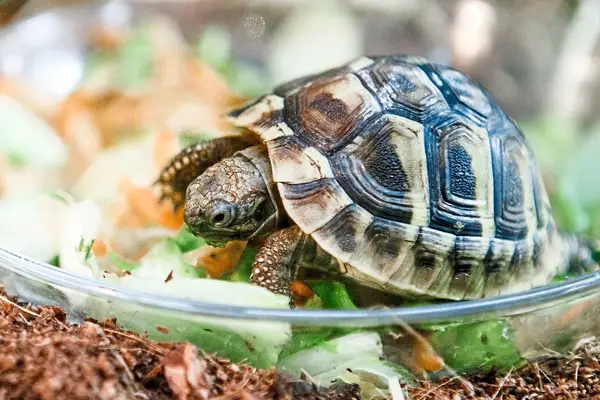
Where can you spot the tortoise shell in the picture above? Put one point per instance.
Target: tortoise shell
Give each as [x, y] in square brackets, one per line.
[411, 175]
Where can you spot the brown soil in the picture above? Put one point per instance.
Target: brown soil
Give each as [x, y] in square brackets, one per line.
[576, 376]
[44, 357]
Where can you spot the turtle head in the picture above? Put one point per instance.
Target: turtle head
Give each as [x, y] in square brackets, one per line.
[234, 199]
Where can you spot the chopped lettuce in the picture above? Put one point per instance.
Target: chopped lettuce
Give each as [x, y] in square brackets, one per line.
[214, 46]
[328, 295]
[186, 241]
[121, 263]
[476, 346]
[333, 294]
[307, 337]
[257, 342]
[79, 228]
[314, 303]
[136, 59]
[189, 138]
[166, 259]
[164, 271]
[358, 353]
[54, 261]
[562, 277]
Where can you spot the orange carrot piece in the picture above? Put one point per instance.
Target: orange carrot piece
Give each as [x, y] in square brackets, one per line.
[301, 289]
[99, 248]
[170, 219]
[208, 83]
[219, 261]
[76, 103]
[106, 38]
[425, 357]
[165, 147]
[143, 202]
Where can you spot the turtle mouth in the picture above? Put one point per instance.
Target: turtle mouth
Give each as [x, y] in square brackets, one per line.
[221, 235]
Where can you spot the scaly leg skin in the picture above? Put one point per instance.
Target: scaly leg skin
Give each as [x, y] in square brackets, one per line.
[192, 161]
[275, 267]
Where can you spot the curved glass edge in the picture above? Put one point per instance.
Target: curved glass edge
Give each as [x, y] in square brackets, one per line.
[518, 303]
[514, 304]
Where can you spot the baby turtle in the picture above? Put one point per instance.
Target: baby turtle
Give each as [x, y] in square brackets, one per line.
[402, 174]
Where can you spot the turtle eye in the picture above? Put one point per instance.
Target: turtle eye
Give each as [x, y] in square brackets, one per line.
[222, 215]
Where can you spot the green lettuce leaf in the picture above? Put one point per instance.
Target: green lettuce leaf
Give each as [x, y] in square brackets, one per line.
[476, 346]
[333, 294]
[165, 259]
[186, 241]
[254, 341]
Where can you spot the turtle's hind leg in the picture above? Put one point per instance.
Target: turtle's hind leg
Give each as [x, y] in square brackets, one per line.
[192, 161]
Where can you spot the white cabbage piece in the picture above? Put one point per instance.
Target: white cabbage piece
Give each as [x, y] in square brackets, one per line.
[353, 358]
[130, 160]
[79, 229]
[30, 225]
[26, 137]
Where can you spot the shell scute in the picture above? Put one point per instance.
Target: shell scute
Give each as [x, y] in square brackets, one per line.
[516, 215]
[311, 205]
[294, 163]
[345, 232]
[385, 251]
[263, 116]
[462, 186]
[402, 87]
[469, 272]
[328, 114]
[432, 260]
[466, 91]
[386, 172]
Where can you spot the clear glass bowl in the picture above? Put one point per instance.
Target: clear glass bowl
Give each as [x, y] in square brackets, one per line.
[49, 49]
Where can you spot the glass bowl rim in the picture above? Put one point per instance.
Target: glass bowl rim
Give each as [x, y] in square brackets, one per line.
[510, 304]
[480, 309]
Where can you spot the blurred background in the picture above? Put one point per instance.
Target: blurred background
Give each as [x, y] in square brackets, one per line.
[547, 47]
[540, 59]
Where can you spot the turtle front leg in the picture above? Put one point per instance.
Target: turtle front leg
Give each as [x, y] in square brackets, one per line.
[275, 267]
[192, 161]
